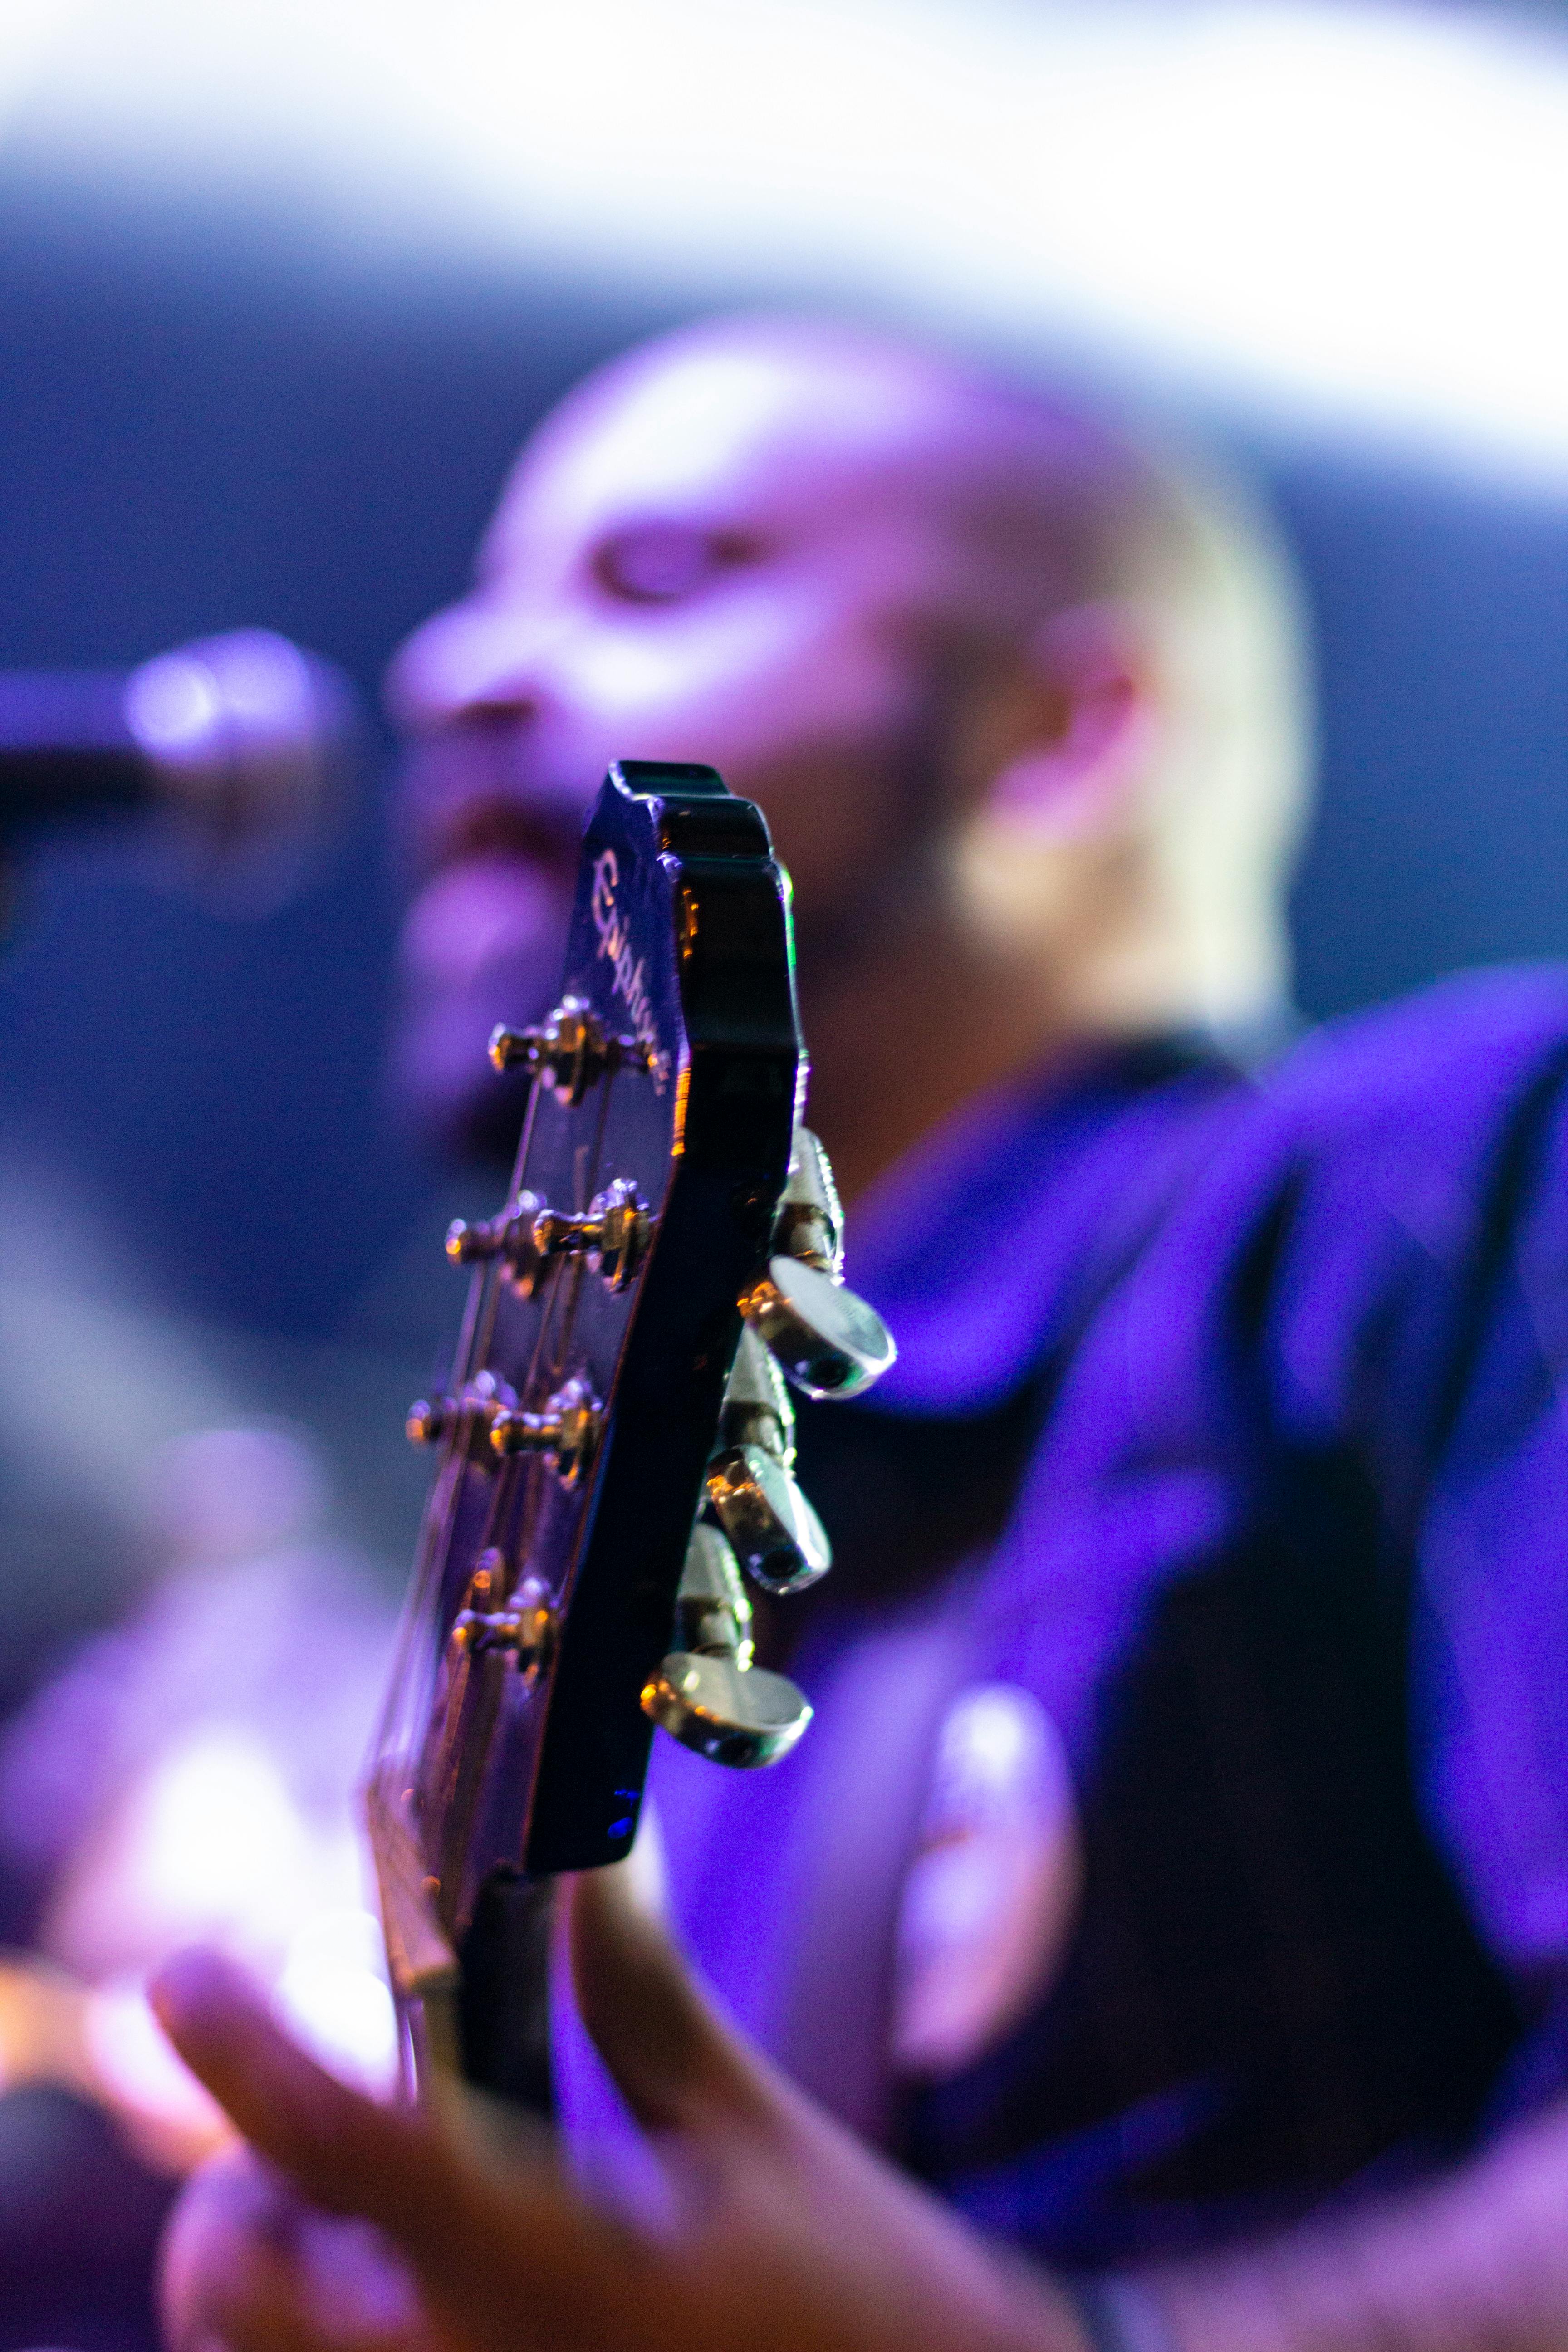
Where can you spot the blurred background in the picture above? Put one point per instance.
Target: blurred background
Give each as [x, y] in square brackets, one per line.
[281, 290]
[283, 286]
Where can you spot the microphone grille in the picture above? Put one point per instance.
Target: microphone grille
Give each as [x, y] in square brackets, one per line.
[253, 743]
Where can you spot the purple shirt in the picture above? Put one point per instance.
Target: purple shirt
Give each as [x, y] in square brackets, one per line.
[1228, 1425]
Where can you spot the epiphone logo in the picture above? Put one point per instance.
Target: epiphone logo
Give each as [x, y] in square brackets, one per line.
[628, 981]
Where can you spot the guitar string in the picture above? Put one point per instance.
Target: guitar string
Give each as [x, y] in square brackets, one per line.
[594, 1154]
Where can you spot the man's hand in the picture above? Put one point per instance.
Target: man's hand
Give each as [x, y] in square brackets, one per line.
[372, 2229]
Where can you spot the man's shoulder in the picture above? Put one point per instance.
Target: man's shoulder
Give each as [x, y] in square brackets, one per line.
[1311, 1291]
[1446, 1052]
[1401, 1119]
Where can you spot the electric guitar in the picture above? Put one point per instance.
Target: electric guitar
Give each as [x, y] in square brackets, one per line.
[615, 1449]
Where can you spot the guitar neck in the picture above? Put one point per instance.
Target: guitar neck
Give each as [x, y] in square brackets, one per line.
[503, 1998]
[617, 1445]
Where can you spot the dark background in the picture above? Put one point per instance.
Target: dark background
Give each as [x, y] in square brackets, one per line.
[216, 422]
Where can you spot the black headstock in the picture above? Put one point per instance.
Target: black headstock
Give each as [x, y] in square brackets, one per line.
[561, 1603]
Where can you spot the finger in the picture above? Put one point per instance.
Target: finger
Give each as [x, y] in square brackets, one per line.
[506, 2253]
[247, 2267]
[674, 2060]
[343, 2151]
[217, 2257]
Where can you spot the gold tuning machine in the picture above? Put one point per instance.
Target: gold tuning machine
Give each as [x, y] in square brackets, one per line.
[568, 1052]
[810, 1222]
[491, 1428]
[463, 1420]
[566, 1432]
[750, 1488]
[757, 1409]
[523, 1630]
[614, 1236]
[744, 1717]
[508, 1236]
[427, 1421]
[712, 1614]
[775, 1534]
[828, 1342]
[708, 1694]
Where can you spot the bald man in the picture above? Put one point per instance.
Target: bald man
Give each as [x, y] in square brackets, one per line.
[1025, 718]
[1173, 1878]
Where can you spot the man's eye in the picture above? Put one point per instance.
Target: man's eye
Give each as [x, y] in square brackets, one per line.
[658, 562]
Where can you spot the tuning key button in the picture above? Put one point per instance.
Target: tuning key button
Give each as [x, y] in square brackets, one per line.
[512, 1048]
[523, 1630]
[810, 1222]
[776, 1535]
[466, 1243]
[569, 1051]
[508, 1236]
[712, 1613]
[757, 1409]
[734, 1714]
[830, 1343]
[614, 1236]
[428, 1422]
[465, 1419]
[566, 1432]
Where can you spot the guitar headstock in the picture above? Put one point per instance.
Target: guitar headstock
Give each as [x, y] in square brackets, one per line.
[615, 1446]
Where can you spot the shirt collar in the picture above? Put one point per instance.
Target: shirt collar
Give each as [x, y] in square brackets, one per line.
[973, 1246]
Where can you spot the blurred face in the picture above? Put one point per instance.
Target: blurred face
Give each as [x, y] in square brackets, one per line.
[715, 555]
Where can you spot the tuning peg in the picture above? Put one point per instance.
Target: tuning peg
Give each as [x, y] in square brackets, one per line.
[614, 1236]
[566, 1433]
[740, 1715]
[708, 1696]
[508, 1237]
[810, 1222]
[829, 1343]
[757, 1409]
[568, 1051]
[427, 1421]
[712, 1613]
[432, 1419]
[524, 1629]
[777, 1535]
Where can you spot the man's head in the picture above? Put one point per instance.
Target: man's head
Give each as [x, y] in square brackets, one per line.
[921, 618]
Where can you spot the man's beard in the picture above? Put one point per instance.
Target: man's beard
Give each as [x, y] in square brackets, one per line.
[440, 1073]
[495, 821]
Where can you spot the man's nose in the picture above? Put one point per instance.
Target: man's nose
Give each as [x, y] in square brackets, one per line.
[464, 664]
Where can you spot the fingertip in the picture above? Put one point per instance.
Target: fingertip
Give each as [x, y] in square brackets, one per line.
[224, 2213]
[196, 1976]
[199, 1989]
[223, 2024]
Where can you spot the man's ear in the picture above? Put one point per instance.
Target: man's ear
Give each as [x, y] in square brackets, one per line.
[1088, 712]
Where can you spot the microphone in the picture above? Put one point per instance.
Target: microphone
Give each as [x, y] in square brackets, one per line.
[244, 743]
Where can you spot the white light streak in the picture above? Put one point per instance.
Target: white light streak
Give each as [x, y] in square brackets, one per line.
[1356, 211]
